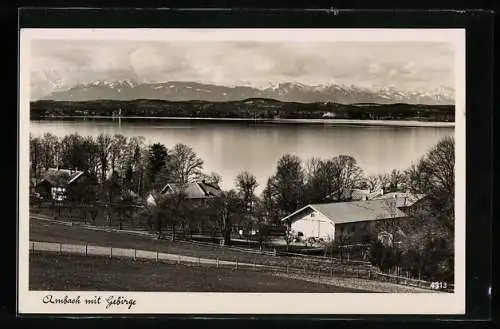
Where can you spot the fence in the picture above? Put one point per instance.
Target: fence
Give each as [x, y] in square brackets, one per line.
[412, 282]
[292, 263]
[319, 274]
[235, 263]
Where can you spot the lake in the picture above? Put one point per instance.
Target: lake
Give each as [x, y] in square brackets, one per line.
[231, 147]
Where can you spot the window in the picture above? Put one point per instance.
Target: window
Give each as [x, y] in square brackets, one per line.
[300, 234]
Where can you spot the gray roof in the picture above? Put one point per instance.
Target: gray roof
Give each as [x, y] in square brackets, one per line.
[355, 211]
[61, 177]
[403, 199]
[194, 190]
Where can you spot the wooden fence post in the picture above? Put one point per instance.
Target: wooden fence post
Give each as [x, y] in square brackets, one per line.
[236, 262]
[135, 254]
[286, 268]
[179, 259]
[217, 262]
[60, 248]
[199, 261]
[86, 250]
[157, 256]
[111, 252]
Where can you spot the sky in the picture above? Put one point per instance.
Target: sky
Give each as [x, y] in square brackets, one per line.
[404, 65]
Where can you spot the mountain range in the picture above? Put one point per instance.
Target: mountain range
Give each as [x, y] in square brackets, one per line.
[285, 92]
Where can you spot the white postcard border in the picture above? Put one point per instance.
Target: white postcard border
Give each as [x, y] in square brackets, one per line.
[248, 303]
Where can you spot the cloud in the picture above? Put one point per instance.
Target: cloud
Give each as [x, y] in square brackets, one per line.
[405, 64]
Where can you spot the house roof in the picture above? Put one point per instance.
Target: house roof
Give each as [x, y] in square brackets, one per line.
[403, 199]
[354, 211]
[61, 177]
[357, 194]
[194, 190]
[210, 189]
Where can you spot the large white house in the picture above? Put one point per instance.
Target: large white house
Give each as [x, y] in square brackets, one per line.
[330, 221]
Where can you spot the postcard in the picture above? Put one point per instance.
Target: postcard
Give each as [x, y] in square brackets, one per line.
[242, 171]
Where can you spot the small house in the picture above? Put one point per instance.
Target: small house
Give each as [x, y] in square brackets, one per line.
[196, 191]
[56, 181]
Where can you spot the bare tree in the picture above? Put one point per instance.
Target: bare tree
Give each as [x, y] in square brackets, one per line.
[246, 183]
[225, 211]
[348, 175]
[35, 156]
[373, 182]
[185, 163]
[50, 156]
[434, 175]
[117, 153]
[103, 145]
[212, 178]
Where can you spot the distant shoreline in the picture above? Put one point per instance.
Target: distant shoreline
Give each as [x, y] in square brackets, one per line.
[356, 122]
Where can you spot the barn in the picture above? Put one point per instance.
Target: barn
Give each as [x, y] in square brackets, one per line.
[354, 220]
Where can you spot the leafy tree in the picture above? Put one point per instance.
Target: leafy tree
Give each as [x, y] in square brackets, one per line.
[157, 160]
[185, 163]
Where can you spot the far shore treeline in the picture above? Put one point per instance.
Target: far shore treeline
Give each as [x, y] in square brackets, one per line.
[126, 170]
[256, 108]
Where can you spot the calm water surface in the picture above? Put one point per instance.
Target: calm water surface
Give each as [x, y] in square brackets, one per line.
[231, 147]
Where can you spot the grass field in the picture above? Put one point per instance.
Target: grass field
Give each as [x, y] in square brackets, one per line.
[50, 271]
[52, 232]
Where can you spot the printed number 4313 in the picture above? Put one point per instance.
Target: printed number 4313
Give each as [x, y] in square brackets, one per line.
[438, 285]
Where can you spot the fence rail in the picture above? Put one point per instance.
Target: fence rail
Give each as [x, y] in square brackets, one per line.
[315, 273]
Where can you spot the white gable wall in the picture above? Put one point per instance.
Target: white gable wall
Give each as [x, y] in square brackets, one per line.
[151, 200]
[314, 225]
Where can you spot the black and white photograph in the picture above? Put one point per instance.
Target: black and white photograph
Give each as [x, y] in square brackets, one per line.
[242, 171]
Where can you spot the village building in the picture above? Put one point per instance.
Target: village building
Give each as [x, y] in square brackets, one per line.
[354, 221]
[355, 195]
[195, 191]
[56, 181]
